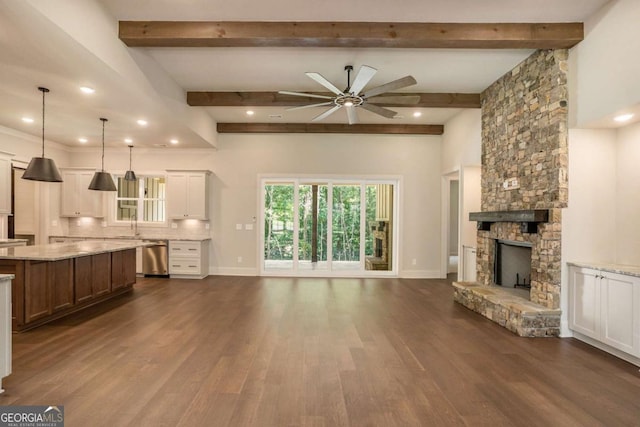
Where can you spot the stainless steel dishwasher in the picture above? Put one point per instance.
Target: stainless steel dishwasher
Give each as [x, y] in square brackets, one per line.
[155, 258]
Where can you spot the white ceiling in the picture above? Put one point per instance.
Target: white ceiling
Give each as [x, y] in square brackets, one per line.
[36, 49]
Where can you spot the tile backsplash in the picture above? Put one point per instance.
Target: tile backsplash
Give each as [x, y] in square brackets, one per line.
[93, 227]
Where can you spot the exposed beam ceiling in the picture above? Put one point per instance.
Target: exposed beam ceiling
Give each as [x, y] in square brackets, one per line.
[275, 99]
[395, 129]
[350, 34]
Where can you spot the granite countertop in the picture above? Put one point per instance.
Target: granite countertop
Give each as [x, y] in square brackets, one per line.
[629, 270]
[140, 237]
[58, 251]
[13, 240]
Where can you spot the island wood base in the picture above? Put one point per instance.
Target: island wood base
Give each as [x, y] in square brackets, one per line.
[43, 291]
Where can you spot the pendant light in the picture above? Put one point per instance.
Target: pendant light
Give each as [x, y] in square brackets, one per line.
[41, 168]
[130, 175]
[102, 181]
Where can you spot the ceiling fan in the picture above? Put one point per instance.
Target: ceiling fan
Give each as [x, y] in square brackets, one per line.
[354, 97]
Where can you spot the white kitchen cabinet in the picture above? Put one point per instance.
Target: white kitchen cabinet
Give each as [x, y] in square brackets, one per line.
[188, 194]
[5, 326]
[605, 306]
[188, 259]
[5, 183]
[76, 199]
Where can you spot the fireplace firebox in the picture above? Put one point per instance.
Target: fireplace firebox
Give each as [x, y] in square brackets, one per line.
[512, 264]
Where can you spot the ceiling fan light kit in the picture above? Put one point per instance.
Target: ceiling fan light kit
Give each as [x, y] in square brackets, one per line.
[353, 96]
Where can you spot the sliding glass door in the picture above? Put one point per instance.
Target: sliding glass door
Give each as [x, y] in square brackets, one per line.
[327, 227]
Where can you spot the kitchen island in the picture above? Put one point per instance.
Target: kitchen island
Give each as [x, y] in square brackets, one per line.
[52, 281]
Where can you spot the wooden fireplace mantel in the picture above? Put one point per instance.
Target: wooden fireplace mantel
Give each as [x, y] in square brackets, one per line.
[529, 219]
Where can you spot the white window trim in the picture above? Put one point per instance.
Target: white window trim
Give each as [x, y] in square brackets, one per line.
[112, 221]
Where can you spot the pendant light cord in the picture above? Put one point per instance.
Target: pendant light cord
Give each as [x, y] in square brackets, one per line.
[103, 122]
[43, 90]
[130, 150]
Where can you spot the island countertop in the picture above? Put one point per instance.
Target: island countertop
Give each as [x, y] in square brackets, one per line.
[58, 251]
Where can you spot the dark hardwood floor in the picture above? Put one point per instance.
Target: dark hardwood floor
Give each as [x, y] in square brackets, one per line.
[240, 351]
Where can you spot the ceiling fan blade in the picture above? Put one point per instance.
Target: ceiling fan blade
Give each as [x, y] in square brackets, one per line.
[364, 75]
[396, 84]
[393, 99]
[306, 95]
[384, 112]
[309, 106]
[352, 115]
[326, 113]
[324, 82]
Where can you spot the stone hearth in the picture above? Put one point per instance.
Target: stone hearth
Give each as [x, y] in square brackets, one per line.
[518, 315]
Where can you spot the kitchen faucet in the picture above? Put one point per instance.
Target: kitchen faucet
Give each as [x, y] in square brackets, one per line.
[134, 224]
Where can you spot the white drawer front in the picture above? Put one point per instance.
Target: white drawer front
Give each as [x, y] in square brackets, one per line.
[184, 266]
[184, 249]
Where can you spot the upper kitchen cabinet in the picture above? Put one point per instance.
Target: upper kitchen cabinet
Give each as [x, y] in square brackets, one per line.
[5, 183]
[188, 194]
[76, 198]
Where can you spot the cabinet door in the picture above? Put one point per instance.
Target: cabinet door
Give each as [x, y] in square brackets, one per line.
[83, 279]
[68, 195]
[101, 267]
[584, 301]
[177, 195]
[37, 301]
[5, 185]
[618, 296]
[61, 284]
[196, 191]
[89, 201]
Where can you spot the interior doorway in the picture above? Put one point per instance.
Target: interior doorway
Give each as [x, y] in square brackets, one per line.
[23, 224]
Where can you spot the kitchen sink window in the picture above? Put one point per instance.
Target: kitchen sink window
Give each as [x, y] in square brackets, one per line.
[142, 200]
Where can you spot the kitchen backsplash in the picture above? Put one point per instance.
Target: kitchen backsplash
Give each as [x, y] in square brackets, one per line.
[92, 227]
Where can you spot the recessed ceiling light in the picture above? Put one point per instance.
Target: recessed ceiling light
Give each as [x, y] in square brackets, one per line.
[174, 141]
[87, 89]
[250, 112]
[142, 122]
[128, 140]
[623, 118]
[27, 119]
[83, 140]
[275, 116]
[417, 114]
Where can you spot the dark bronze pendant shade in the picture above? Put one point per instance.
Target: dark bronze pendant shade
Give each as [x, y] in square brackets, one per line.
[42, 168]
[102, 181]
[130, 175]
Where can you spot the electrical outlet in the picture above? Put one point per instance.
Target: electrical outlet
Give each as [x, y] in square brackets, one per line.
[206, 226]
[238, 226]
[239, 260]
[54, 223]
[248, 226]
[104, 224]
[413, 261]
[174, 225]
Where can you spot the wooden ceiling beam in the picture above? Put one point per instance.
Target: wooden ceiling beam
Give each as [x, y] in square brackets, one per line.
[351, 34]
[275, 99]
[391, 129]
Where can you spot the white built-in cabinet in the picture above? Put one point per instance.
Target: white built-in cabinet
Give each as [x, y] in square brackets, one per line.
[188, 194]
[188, 259]
[76, 199]
[5, 326]
[5, 183]
[605, 306]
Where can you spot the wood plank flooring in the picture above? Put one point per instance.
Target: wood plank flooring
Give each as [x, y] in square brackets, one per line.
[248, 351]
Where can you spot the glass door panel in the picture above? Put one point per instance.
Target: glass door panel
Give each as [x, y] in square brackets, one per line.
[379, 229]
[312, 230]
[345, 227]
[278, 226]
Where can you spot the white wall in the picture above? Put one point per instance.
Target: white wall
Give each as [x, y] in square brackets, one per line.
[240, 159]
[628, 195]
[605, 66]
[462, 141]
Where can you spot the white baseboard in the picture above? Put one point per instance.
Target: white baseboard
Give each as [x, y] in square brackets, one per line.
[420, 274]
[604, 347]
[232, 271]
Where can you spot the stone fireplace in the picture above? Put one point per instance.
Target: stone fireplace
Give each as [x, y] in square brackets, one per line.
[524, 188]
